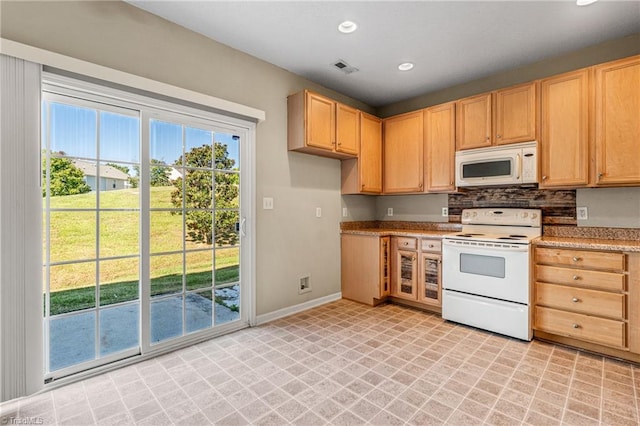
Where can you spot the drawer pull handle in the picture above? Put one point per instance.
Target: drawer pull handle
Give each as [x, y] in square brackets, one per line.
[577, 259]
[576, 325]
[430, 245]
[576, 278]
[575, 300]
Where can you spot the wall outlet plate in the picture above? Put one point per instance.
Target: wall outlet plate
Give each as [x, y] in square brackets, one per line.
[345, 212]
[582, 213]
[390, 211]
[445, 212]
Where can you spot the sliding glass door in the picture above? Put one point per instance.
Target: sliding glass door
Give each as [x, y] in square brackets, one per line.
[143, 228]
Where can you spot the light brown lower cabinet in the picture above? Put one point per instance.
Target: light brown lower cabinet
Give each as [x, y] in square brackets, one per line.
[365, 268]
[417, 271]
[589, 299]
[407, 269]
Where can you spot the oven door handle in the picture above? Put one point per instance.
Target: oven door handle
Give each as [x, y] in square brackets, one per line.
[487, 246]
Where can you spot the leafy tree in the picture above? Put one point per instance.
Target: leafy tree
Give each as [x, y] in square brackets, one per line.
[199, 186]
[64, 178]
[158, 175]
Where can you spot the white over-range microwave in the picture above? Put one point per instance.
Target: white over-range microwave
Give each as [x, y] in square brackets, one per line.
[515, 164]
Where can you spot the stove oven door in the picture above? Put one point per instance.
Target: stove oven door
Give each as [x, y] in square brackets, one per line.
[496, 270]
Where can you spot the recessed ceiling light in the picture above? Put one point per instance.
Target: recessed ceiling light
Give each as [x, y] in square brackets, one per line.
[405, 66]
[347, 27]
[585, 2]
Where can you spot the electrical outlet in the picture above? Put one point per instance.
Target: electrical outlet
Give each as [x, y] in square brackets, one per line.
[345, 212]
[445, 211]
[390, 211]
[318, 211]
[582, 213]
[267, 203]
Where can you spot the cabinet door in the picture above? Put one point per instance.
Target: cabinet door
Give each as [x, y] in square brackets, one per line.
[406, 275]
[440, 147]
[347, 129]
[360, 271]
[403, 153]
[430, 291]
[385, 263]
[473, 122]
[370, 159]
[320, 124]
[564, 139]
[617, 122]
[515, 114]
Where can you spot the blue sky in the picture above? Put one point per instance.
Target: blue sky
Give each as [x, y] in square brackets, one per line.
[73, 131]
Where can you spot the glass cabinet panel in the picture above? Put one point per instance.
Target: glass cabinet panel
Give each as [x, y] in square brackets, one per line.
[430, 274]
[407, 274]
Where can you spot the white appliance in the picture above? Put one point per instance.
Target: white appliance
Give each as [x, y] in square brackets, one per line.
[515, 164]
[486, 274]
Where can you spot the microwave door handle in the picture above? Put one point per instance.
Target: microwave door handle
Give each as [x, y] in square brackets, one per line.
[518, 166]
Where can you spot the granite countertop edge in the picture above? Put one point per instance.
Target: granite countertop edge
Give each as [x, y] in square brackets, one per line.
[544, 241]
[588, 243]
[431, 233]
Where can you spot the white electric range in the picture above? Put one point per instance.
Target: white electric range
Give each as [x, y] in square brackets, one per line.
[486, 277]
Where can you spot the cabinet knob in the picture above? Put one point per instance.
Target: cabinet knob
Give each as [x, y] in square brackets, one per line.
[406, 243]
[575, 300]
[498, 136]
[577, 259]
[576, 278]
[488, 137]
[600, 175]
[430, 245]
[576, 325]
[413, 258]
[544, 178]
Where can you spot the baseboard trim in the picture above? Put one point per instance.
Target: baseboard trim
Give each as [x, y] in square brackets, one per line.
[285, 312]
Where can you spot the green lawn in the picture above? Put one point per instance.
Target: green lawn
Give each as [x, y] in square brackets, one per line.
[73, 237]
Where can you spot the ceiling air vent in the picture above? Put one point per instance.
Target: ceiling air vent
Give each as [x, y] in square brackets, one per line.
[344, 67]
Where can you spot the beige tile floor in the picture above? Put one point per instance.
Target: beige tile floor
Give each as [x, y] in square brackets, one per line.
[348, 364]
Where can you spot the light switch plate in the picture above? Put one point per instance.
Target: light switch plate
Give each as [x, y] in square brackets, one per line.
[390, 211]
[318, 211]
[267, 203]
[345, 212]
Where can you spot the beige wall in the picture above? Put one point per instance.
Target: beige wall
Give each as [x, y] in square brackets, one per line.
[291, 241]
[608, 51]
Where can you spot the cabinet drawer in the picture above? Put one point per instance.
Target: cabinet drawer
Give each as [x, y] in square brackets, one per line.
[598, 330]
[590, 302]
[611, 281]
[406, 243]
[581, 259]
[432, 246]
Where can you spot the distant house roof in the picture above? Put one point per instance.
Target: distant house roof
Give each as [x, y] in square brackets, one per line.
[90, 169]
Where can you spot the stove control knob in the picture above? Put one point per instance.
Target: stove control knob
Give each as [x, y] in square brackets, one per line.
[466, 214]
[525, 214]
[534, 215]
[475, 214]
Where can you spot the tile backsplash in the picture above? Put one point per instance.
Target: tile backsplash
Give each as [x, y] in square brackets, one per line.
[558, 206]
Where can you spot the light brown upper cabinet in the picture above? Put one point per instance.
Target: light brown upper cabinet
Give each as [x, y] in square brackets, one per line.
[617, 122]
[440, 147]
[500, 117]
[403, 153]
[321, 126]
[364, 174]
[564, 125]
[473, 122]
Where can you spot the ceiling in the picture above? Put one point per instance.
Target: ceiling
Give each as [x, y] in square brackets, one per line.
[450, 42]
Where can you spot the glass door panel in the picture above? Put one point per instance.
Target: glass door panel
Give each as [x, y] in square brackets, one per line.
[91, 233]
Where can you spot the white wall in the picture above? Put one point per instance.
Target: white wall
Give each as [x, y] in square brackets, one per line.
[415, 208]
[291, 241]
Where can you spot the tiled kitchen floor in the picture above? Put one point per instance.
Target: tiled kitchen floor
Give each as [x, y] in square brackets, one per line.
[345, 363]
